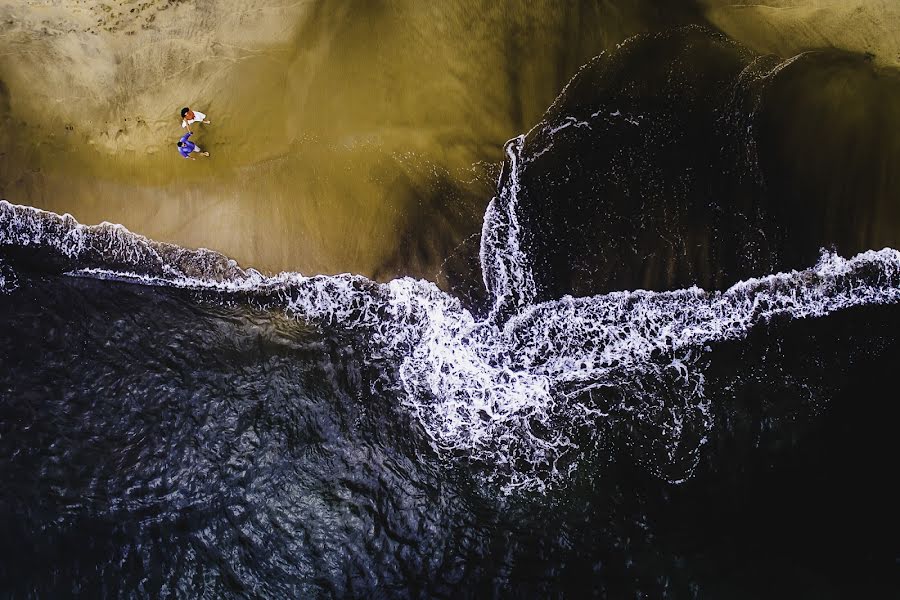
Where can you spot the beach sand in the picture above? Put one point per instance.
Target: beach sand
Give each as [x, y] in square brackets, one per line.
[346, 136]
[786, 27]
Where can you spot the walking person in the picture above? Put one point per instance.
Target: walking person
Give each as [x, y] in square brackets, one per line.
[189, 116]
[187, 148]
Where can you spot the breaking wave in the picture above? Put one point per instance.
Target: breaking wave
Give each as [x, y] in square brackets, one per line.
[523, 396]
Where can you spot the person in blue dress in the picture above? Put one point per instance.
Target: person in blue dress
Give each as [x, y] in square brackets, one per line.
[187, 148]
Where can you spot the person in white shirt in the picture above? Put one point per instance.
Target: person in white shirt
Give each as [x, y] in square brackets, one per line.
[189, 116]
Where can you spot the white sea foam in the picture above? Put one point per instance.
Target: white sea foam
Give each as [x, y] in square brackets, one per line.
[505, 267]
[521, 395]
[7, 278]
[501, 394]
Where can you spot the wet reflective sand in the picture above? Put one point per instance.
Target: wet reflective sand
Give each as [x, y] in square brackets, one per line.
[345, 136]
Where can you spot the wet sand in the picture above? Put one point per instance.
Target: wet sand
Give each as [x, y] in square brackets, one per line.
[346, 136]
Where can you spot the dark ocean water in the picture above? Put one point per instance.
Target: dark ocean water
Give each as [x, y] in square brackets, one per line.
[172, 425]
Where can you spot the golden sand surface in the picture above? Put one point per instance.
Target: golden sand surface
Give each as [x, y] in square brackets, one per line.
[347, 135]
[787, 27]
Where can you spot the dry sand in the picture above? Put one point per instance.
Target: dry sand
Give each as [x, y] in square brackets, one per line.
[787, 27]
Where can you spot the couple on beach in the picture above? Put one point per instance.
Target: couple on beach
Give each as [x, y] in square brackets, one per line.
[186, 147]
